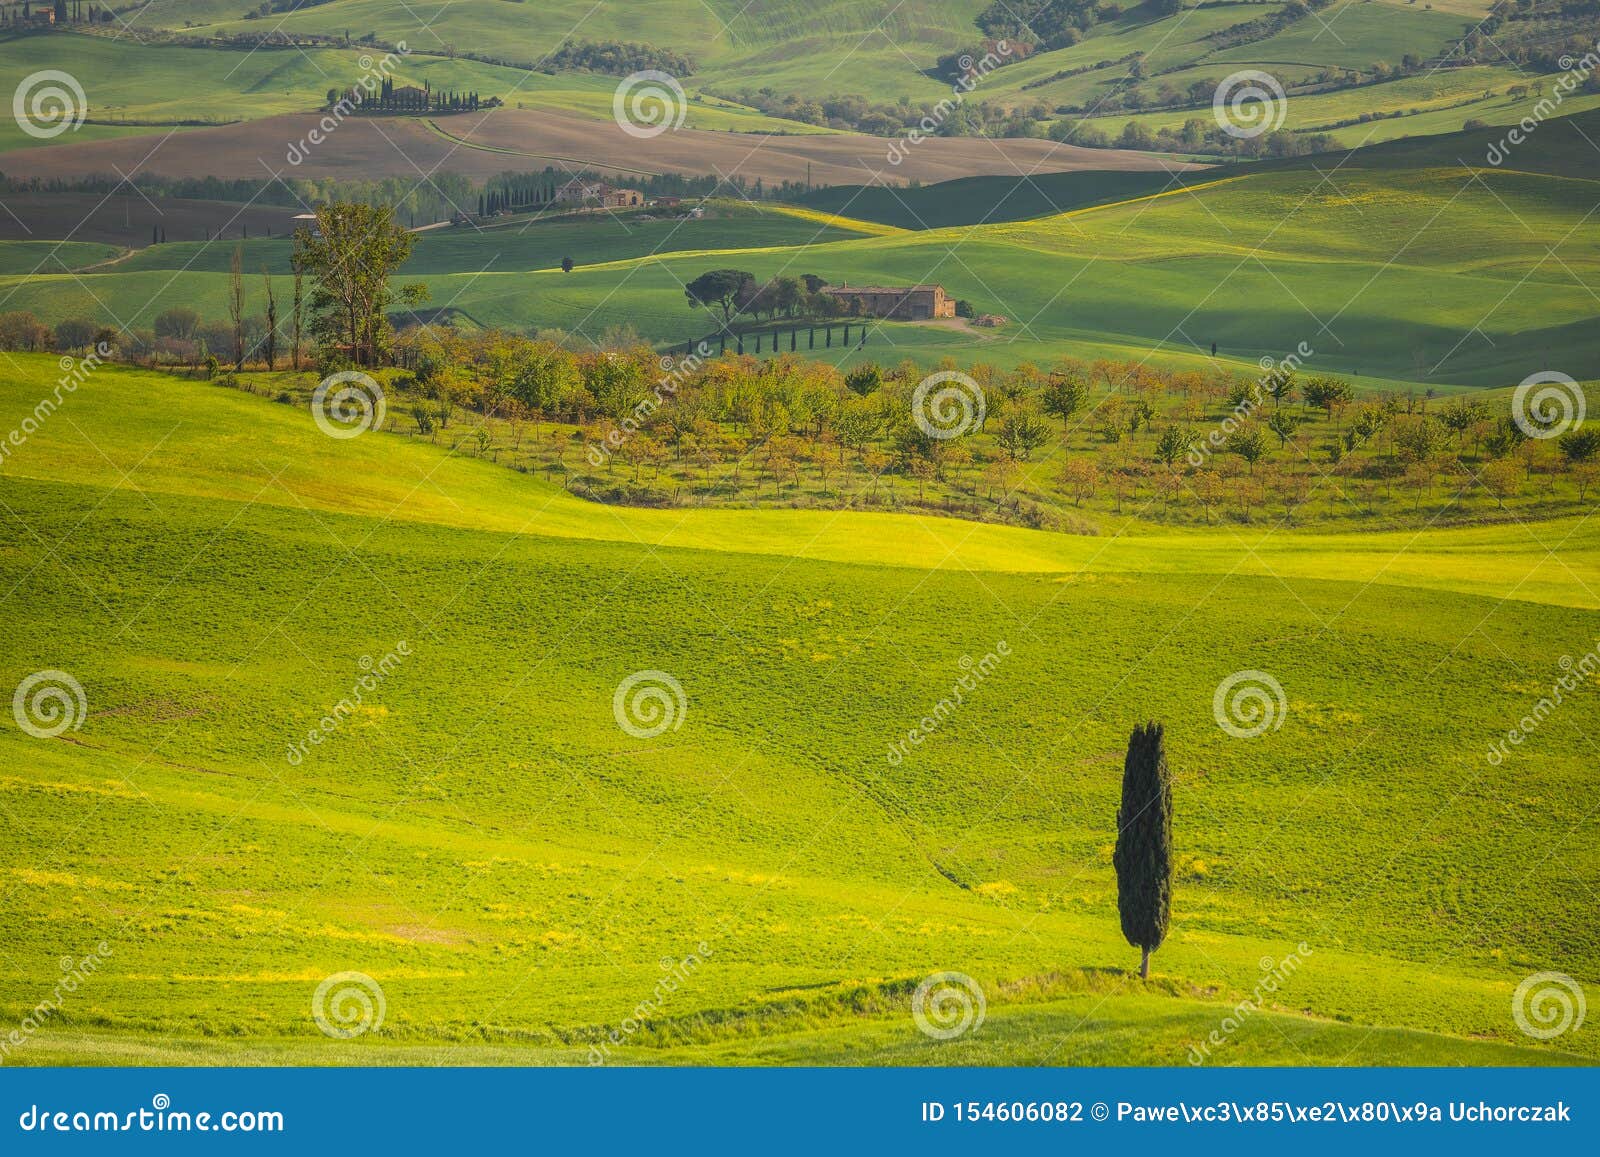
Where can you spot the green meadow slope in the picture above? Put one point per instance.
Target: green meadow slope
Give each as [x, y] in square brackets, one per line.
[1142, 59]
[135, 89]
[514, 247]
[880, 49]
[485, 842]
[1390, 265]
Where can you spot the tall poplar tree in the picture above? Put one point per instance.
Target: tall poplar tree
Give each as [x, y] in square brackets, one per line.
[271, 349]
[236, 306]
[295, 324]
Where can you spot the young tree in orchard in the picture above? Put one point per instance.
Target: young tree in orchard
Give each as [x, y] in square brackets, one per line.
[1328, 394]
[350, 256]
[1079, 476]
[1249, 443]
[864, 379]
[1283, 424]
[1420, 440]
[1143, 856]
[1280, 386]
[1064, 396]
[1021, 433]
[1501, 478]
[1171, 445]
[1461, 414]
[1584, 476]
[1580, 445]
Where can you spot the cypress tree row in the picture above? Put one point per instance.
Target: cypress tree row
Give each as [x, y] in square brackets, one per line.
[1143, 857]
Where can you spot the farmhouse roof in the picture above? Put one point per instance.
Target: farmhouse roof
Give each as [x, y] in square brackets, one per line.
[880, 288]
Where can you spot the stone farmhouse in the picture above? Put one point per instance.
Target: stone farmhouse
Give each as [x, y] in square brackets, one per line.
[577, 192]
[898, 302]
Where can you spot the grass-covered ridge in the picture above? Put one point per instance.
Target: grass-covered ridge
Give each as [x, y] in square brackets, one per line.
[1346, 62]
[248, 450]
[153, 89]
[484, 841]
[1409, 265]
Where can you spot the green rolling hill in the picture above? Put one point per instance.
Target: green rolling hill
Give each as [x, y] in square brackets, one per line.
[483, 840]
[358, 704]
[1148, 65]
[1391, 263]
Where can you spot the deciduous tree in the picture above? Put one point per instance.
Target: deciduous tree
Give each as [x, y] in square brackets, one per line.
[236, 306]
[351, 256]
[1079, 476]
[1580, 445]
[1064, 396]
[1249, 443]
[1171, 445]
[1021, 433]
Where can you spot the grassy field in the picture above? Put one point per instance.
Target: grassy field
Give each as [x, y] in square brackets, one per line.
[880, 50]
[883, 52]
[518, 244]
[485, 842]
[1495, 561]
[356, 705]
[25, 257]
[1355, 33]
[1429, 104]
[1394, 264]
[104, 225]
[163, 86]
[987, 200]
[781, 43]
[1400, 275]
[1387, 269]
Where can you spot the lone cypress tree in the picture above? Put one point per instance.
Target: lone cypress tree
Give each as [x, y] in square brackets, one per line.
[1143, 857]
